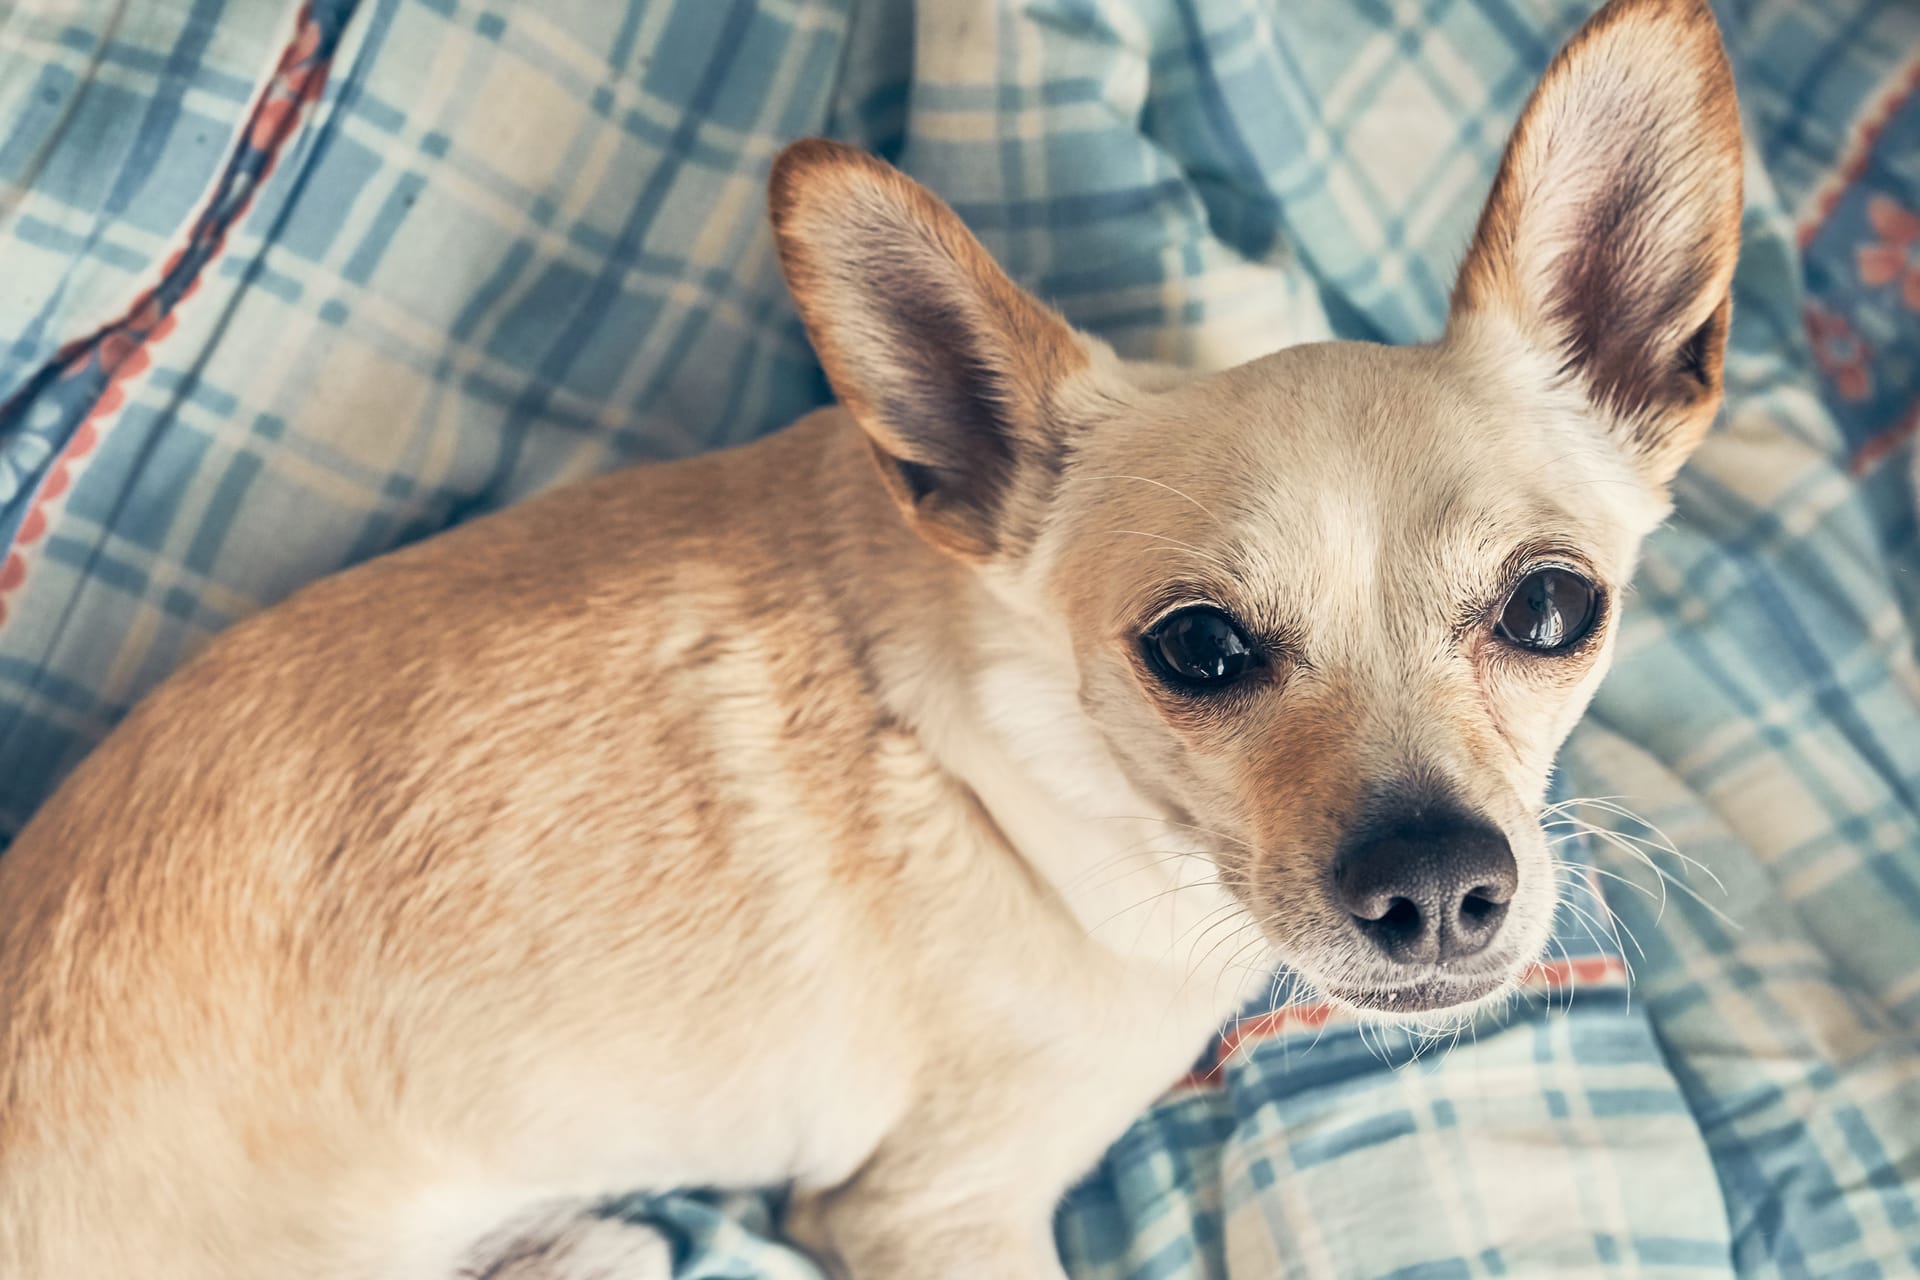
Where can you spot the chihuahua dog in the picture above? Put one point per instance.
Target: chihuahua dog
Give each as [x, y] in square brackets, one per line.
[845, 811]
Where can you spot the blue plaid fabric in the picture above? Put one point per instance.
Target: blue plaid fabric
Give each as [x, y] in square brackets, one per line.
[286, 287]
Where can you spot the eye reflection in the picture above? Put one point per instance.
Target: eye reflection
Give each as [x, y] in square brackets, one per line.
[1199, 648]
[1551, 609]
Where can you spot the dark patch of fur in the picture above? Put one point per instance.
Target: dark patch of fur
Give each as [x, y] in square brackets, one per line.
[517, 1254]
[1620, 295]
[1699, 362]
[957, 405]
[955, 409]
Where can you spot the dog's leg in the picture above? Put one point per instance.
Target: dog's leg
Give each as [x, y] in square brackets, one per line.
[570, 1242]
[875, 1228]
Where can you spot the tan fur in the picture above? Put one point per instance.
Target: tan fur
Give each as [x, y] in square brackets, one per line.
[715, 824]
[1658, 129]
[857, 236]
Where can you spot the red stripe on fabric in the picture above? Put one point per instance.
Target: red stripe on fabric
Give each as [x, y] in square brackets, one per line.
[1553, 975]
[1866, 131]
[123, 344]
[1875, 450]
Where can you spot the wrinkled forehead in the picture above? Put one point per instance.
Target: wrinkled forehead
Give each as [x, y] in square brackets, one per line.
[1344, 474]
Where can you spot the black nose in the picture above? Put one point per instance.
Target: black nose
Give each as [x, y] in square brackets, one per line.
[1428, 891]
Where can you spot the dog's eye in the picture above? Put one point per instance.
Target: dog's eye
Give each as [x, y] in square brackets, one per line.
[1550, 609]
[1199, 648]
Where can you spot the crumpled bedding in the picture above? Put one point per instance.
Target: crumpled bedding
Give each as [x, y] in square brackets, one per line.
[285, 287]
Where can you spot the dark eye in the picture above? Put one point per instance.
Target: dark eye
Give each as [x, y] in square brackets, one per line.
[1200, 648]
[1550, 609]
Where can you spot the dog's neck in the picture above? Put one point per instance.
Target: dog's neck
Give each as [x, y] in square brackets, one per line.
[993, 693]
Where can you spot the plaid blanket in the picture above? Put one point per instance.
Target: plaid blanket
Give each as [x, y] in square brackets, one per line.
[285, 288]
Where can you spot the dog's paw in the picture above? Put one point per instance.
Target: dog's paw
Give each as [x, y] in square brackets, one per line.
[573, 1244]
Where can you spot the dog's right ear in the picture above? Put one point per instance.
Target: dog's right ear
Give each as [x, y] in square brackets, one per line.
[1609, 241]
[951, 370]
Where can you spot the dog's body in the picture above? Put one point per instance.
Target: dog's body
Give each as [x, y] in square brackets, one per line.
[714, 823]
[823, 947]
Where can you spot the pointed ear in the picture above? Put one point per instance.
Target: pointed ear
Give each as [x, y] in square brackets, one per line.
[1610, 237]
[951, 370]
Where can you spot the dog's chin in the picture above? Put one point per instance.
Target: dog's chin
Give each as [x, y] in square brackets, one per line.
[1437, 993]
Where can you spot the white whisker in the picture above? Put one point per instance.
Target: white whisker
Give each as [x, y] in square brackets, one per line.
[1161, 484]
[1561, 816]
[1189, 826]
[1205, 557]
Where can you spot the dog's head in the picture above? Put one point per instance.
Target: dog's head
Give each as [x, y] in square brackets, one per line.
[1341, 605]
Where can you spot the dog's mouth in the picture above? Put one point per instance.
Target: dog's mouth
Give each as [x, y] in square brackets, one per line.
[1428, 995]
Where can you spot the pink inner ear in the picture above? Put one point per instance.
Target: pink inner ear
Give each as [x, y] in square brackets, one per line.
[1613, 226]
[1626, 297]
[949, 368]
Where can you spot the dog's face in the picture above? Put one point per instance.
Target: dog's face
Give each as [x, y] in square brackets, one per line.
[1346, 625]
[1338, 607]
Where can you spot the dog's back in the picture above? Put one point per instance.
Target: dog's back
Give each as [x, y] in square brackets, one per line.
[344, 946]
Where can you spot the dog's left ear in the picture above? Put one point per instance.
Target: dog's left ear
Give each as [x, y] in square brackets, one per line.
[953, 372]
[1610, 237]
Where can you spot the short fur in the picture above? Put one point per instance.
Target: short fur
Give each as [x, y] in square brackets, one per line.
[810, 813]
